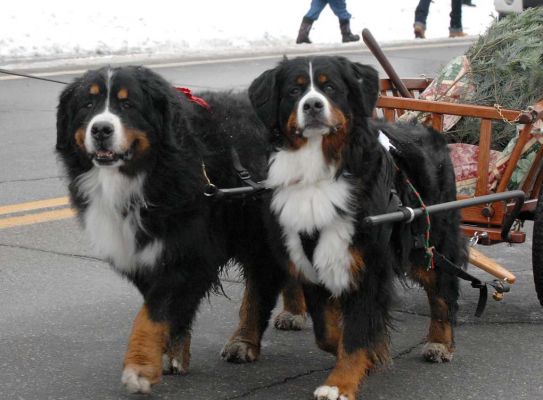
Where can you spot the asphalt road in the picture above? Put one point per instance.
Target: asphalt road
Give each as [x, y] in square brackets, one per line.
[65, 317]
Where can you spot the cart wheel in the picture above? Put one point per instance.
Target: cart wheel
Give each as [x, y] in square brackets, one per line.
[537, 249]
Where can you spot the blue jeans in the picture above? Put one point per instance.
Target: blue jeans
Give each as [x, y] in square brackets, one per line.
[421, 13]
[338, 7]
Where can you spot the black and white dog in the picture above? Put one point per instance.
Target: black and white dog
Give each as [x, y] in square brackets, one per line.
[331, 167]
[139, 156]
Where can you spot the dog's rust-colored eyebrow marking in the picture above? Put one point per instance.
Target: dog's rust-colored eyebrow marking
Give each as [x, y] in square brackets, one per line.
[301, 80]
[322, 78]
[94, 89]
[122, 94]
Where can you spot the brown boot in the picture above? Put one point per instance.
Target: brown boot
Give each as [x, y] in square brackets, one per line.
[303, 33]
[346, 34]
[420, 30]
[455, 34]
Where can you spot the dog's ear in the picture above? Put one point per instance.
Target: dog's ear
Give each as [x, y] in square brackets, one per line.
[161, 97]
[264, 95]
[64, 116]
[363, 82]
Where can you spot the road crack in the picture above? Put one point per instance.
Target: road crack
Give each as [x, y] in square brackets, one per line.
[277, 383]
[310, 372]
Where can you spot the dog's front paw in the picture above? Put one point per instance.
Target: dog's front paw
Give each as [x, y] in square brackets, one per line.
[329, 393]
[138, 379]
[436, 352]
[240, 351]
[176, 360]
[173, 365]
[287, 321]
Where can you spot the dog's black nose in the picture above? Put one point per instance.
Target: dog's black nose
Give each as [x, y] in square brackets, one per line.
[313, 105]
[102, 130]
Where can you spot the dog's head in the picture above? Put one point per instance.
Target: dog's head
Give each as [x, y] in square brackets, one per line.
[113, 117]
[314, 96]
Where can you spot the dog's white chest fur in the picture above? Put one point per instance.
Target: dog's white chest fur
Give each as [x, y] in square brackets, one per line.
[306, 199]
[112, 218]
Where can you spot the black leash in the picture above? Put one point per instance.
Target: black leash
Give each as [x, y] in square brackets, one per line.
[6, 72]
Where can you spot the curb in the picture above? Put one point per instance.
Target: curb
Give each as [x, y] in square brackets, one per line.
[58, 66]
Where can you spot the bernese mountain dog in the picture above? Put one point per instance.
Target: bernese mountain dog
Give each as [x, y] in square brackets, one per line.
[332, 166]
[140, 158]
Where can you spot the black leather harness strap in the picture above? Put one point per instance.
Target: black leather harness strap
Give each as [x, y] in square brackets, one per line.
[251, 187]
[449, 267]
[242, 172]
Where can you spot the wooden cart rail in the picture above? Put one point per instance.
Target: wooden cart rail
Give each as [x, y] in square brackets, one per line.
[488, 217]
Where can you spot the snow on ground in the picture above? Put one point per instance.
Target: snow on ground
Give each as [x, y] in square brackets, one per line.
[46, 29]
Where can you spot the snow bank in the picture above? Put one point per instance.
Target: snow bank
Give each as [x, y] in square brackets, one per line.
[68, 28]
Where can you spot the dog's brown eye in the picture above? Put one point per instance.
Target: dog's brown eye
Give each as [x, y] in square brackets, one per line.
[88, 105]
[125, 105]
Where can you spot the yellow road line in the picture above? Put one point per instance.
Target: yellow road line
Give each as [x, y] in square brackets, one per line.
[33, 205]
[36, 218]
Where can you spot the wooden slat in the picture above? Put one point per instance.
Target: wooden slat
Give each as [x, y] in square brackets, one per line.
[515, 156]
[494, 234]
[535, 170]
[485, 138]
[437, 122]
[418, 84]
[474, 214]
[441, 107]
[389, 115]
[528, 206]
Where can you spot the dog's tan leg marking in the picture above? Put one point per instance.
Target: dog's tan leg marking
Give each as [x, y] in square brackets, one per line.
[332, 327]
[176, 360]
[143, 359]
[343, 381]
[439, 345]
[244, 345]
[293, 316]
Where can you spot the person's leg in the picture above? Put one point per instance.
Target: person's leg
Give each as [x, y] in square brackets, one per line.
[421, 14]
[315, 9]
[455, 29]
[307, 22]
[340, 9]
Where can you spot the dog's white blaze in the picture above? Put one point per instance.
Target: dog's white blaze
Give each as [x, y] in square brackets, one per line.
[112, 218]
[300, 116]
[119, 137]
[307, 196]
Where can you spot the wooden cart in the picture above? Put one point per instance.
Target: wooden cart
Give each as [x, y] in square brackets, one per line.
[484, 221]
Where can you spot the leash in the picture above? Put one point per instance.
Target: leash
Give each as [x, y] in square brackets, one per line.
[6, 72]
[210, 190]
